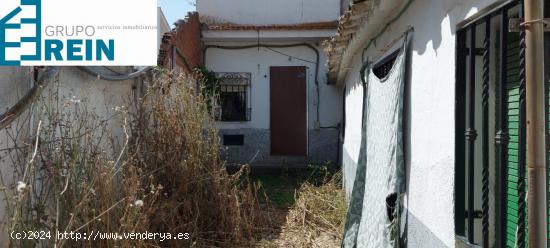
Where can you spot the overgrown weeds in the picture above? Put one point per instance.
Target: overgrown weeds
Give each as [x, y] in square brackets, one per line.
[69, 179]
[152, 169]
[162, 175]
[320, 208]
[317, 217]
[177, 149]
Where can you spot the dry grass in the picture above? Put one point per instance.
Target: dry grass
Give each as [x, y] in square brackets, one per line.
[177, 149]
[65, 180]
[317, 217]
[165, 174]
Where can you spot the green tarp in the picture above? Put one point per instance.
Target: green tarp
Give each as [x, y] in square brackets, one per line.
[373, 220]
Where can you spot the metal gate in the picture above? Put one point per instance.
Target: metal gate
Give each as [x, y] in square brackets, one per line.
[473, 120]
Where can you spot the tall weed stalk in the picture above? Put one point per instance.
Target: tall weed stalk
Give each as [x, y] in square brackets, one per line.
[163, 175]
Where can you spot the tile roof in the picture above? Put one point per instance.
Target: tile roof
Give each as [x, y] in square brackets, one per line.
[357, 27]
[348, 24]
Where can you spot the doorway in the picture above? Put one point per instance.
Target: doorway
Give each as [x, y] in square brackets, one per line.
[288, 111]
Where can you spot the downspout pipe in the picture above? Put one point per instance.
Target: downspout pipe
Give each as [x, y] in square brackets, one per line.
[535, 117]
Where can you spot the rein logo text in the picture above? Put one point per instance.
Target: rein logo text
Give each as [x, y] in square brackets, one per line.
[77, 49]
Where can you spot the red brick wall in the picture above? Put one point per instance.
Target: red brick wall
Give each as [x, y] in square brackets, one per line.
[186, 37]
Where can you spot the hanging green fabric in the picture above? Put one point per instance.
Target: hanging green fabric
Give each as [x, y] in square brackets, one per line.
[374, 212]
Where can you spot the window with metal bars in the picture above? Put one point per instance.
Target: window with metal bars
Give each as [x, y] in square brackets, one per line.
[472, 134]
[234, 100]
[476, 48]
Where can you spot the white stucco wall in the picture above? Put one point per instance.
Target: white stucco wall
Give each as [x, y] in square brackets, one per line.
[262, 12]
[352, 138]
[99, 96]
[14, 83]
[162, 26]
[430, 108]
[257, 62]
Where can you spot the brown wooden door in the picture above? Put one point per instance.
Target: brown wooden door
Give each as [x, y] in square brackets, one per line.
[288, 111]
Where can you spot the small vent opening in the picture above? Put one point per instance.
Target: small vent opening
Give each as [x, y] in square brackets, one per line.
[233, 140]
[382, 68]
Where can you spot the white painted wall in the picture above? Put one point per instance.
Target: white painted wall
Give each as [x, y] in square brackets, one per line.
[100, 97]
[353, 122]
[14, 83]
[266, 35]
[257, 62]
[430, 142]
[262, 12]
[162, 26]
[344, 5]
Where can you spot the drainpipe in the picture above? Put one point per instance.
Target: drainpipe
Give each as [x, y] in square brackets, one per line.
[535, 113]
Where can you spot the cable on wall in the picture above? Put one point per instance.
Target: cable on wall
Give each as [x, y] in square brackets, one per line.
[122, 77]
[373, 40]
[290, 56]
[23, 104]
[269, 46]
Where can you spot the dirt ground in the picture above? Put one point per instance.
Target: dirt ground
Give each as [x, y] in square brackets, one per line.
[281, 209]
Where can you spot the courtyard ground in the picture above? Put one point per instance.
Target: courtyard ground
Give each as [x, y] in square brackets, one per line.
[306, 207]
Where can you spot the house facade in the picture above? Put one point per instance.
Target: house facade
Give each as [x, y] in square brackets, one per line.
[276, 106]
[463, 142]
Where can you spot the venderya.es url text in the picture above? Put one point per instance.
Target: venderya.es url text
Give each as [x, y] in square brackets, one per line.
[95, 235]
